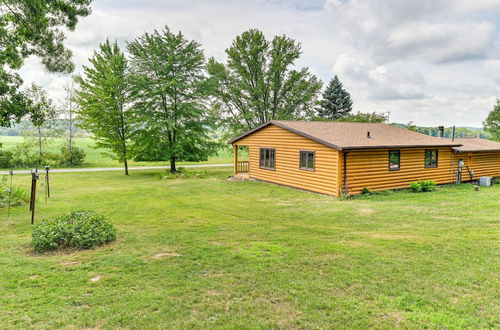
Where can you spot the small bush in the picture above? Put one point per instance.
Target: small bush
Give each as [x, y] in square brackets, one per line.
[366, 191]
[80, 229]
[17, 197]
[423, 186]
[26, 154]
[415, 187]
[5, 159]
[71, 158]
[496, 180]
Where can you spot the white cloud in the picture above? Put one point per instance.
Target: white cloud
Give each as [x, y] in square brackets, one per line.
[440, 42]
[378, 82]
[492, 67]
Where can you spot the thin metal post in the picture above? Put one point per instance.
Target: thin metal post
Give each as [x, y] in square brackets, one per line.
[47, 187]
[11, 173]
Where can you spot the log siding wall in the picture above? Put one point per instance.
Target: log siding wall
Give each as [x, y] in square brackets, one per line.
[365, 167]
[482, 163]
[369, 168]
[287, 172]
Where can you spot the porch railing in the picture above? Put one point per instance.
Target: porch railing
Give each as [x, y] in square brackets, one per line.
[242, 167]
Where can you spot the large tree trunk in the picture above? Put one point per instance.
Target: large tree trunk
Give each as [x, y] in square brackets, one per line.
[173, 169]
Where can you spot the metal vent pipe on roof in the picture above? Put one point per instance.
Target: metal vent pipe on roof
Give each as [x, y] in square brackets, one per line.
[441, 131]
[368, 135]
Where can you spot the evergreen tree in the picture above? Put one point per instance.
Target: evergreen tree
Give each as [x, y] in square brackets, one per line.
[169, 92]
[492, 122]
[103, 101]
[336, 102]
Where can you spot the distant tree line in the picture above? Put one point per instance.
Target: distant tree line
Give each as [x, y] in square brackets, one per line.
[460, 132]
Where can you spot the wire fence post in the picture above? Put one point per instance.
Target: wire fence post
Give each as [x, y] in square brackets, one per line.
[34, 178]
[11, 173]
[47, 187]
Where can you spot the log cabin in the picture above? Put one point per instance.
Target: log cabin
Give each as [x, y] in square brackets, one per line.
[342, 158]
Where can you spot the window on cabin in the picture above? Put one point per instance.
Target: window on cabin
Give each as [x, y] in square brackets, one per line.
[431, 158]
[267, 158]
[394, 160]
[307, 160]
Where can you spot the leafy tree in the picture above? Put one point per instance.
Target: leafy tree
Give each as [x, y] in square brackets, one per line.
[412, 127]
[41, 113]
[33, 27]
[169, 91]
[366, 117]
[103, 101]
[492, 122]
[336, 102]
[69, 110]
[258, 84]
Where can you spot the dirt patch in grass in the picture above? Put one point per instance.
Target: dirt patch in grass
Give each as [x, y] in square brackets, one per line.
[166, 255]
[390, 236]
[213, 293]
[366, 211]
[279, 306]
[96, 279]
[209, 273]
[396, 316]
[355, 243]
[69, 263]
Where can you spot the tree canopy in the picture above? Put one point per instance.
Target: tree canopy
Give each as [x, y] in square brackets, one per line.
[336, 102]
[258, 82]
[33, 27]
[366, 117]
[492, 122]
[169, 91]
[103, 101]
[41, 111]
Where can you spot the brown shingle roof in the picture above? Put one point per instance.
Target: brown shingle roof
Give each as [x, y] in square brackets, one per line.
[476, 144]
[347, 135]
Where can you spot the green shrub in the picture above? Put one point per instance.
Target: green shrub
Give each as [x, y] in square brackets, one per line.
[71, 158]
[366, 191]
[5, 159]
[17, 197]
[26, 154]
[428, 185]
[415, 187]
[81, 229]
[496, 180]
[369, 192]
[423, 186]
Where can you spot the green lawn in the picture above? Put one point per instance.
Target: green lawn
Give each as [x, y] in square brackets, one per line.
[209, 252]
[95, 158]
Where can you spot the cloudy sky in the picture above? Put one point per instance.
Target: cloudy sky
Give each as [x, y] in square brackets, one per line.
[428, 61]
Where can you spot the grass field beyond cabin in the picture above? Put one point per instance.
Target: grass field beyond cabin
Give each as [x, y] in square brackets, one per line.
[97, 158]
[208, 252]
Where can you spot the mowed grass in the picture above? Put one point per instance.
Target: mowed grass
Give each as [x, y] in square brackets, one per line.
[97, 158]
[213, 253]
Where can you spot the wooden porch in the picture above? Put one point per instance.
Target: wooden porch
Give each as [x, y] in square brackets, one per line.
[241, 167]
